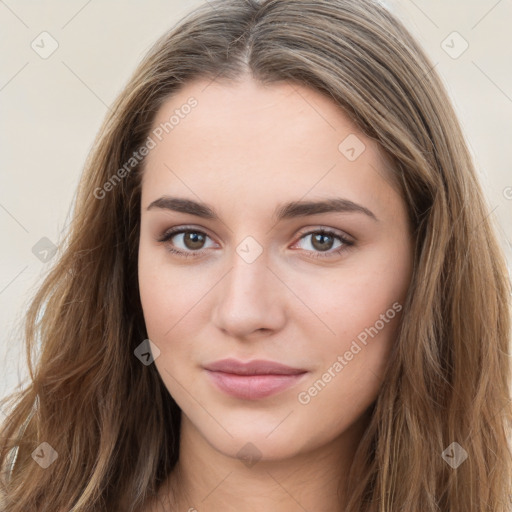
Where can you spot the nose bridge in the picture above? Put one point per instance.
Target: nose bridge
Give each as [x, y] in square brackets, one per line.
[246, 300]
[247, 283]
[248, 273]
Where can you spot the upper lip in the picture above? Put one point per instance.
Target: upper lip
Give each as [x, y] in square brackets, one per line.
[254, 367]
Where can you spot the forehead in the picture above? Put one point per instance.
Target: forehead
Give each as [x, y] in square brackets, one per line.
[259, 140]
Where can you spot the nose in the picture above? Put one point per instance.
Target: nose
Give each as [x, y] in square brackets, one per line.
[249, 298]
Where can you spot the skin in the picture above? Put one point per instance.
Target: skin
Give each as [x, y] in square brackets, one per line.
[245, 149]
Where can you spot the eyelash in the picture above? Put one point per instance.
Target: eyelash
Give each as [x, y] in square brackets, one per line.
[346, 244]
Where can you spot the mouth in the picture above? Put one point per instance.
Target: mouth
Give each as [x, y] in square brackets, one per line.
[253, 380]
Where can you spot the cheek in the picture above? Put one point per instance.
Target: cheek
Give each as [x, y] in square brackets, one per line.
[352, 358]
[168, 312]
[352, 362]
[358, 297]
[166, 291]
[360, 309]
[156, 298]
[174, 301]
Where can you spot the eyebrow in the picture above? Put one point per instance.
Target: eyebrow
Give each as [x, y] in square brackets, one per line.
[289, 210]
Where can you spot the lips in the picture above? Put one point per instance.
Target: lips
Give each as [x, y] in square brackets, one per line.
[252, 380]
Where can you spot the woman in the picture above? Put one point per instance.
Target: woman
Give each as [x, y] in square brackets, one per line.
[281, 289]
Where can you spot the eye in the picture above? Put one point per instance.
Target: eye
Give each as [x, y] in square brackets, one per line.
[193, 242]
[192, 239]
[322, 240]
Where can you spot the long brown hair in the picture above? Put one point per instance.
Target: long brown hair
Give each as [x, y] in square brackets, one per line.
[110, 419]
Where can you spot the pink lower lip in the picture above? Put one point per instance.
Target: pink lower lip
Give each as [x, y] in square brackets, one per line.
[253, 387]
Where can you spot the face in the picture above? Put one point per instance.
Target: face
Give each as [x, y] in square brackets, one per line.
[233, 264]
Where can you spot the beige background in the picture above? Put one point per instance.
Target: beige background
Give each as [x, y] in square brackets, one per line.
[52, 108]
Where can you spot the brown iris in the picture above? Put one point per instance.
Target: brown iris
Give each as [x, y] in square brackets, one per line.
[318, 241]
